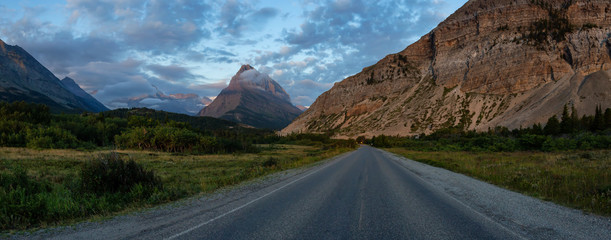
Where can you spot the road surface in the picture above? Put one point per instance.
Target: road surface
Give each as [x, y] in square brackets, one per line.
[365, 194]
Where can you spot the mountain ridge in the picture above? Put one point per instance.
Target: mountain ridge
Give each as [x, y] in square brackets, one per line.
[23, 78]
[254, 99]
[490, 63]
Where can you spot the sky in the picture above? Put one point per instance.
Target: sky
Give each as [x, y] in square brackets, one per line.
[119, 49]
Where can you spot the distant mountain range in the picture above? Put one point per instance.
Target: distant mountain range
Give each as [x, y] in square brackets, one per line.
[492, 63]
[254, 99]
[251, 98]
[23, 78]
[189, 104]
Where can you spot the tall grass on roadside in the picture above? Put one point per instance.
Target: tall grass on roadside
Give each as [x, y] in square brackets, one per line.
[107, 184]
[264, 165]
[65, 186]
[111, 174]
[576, 179]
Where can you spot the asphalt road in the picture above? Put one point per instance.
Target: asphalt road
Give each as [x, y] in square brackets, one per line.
[362, 196]
[365, 194]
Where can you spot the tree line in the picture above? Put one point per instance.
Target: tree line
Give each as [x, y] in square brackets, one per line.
[567, 132]
[32, 125]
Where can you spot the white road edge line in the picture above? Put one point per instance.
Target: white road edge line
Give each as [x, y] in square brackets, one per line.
[455, 199]
[251, 202]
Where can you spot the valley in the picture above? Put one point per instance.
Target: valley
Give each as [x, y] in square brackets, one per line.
[470, 119]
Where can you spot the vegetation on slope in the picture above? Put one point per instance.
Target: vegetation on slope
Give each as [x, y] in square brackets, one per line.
[567, 133]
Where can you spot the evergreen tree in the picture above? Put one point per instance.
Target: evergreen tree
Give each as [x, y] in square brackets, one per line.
[552, 127]
[566, 124]
[599, 122]
[537, 129]
[608, 118]
[575, 118]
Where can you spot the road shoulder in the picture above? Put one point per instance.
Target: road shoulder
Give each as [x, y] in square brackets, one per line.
[530, 217]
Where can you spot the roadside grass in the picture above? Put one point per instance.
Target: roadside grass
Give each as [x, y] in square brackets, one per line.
[580, 179]
[41, 188]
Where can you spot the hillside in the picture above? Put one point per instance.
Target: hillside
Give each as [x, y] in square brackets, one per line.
[496, 62]
[23, 78]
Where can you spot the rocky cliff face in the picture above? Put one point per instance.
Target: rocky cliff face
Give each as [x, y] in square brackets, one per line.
[254, 99]
[493, 62]
[22, 78]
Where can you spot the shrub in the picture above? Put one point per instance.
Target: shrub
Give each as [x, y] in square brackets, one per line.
[270, 162]
[21, 198]
[111, 174]
[50, 137]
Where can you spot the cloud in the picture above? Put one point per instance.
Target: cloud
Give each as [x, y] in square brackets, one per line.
[264, 14]
[341, 37]
[151, 101]
[157, 26]
[239, 17]
[172, 73]
[63, 51]
[221, 52]
[97, 75]
[307, 83]
[210, 89]
[305, 91]
[115, 83]
[56, 48]
[115, 95]
[119, 48]
[301, 100]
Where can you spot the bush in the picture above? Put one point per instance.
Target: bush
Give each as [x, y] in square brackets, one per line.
[111, 174]
[50, 137]
[270, 162]
[21, 198]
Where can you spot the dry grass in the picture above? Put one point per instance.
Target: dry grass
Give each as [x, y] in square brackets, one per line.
[576, 179]
[198, 172]
[182, 175]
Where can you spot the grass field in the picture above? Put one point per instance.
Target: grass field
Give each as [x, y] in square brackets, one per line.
[182, 175]
[576, 179]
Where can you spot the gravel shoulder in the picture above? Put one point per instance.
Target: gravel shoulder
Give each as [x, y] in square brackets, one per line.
[527, 216]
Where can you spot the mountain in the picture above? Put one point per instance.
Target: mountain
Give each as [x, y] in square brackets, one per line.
[93, 104]
[189, 104]
[302, 108]
[23, 78]
[492, 63]
[254, 99]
